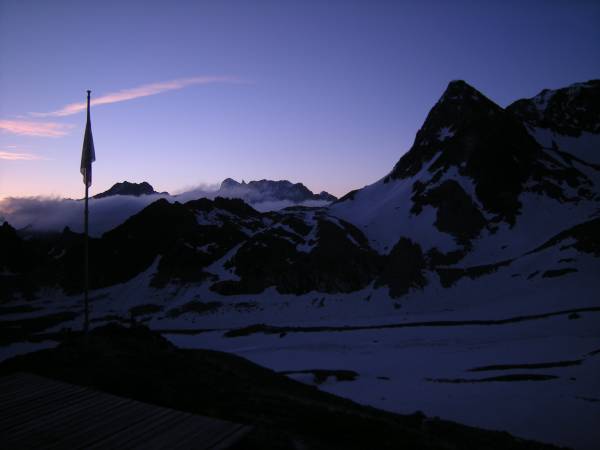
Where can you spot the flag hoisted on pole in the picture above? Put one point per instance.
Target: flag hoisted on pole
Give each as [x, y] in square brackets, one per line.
[88, 156]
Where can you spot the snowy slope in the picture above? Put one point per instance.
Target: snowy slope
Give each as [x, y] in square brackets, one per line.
[439, 194]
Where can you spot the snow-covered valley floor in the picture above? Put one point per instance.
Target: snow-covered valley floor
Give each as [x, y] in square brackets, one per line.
[401, 370]
[505, 352]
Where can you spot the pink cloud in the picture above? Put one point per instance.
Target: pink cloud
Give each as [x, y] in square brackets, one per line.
[14, 156]
[29, 128]
[137, 92]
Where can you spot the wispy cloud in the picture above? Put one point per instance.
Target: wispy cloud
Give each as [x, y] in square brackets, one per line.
[30, 128]
[137, 92]
[16, 156]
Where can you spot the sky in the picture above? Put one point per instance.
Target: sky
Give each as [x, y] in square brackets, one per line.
[327, 93]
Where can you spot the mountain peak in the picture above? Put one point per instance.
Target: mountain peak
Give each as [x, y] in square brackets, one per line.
[128, 188]
[469, 134]
[462, 93]
[458, 86]
[228, 183]
[460, 109]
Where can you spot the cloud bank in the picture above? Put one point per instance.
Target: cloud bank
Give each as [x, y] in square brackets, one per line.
[42, 214]
[54, 214]
[137, 92]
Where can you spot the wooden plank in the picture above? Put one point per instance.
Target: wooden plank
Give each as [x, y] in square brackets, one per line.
[8, 380]
[35, 393]
[96, 427]
[49, 408]
[81, 421]
[27, 390]
[134, 428]
[197, 435]
[182, 429]
[234, 436]
[44, 398]
[141, 436]
[49, 414]
[23, 379]
[63, 412]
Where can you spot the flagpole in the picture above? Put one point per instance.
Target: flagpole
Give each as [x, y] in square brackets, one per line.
[86, 324]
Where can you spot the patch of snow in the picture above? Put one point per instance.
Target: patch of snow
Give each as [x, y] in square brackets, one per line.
[214, 217]
[541, 100]
[310, 240]
[467, 185]
[541, 218]
[445, 133]
[218, 267]
[585, 147]
[206, 248]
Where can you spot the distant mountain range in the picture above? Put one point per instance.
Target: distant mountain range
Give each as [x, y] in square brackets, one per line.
[252, 192]
[482, 187]
[268, 190]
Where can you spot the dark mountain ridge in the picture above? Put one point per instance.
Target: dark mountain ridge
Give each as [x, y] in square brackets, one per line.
[127, 188]
[299, 250]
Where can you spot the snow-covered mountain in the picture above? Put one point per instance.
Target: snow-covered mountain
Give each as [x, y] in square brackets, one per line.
[269, 190]
[482, 184]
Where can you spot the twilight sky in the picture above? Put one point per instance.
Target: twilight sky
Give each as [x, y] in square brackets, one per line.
[328, 93]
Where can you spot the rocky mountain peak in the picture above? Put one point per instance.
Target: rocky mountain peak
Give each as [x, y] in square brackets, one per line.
[229, 183]
[462, 122]
[460, 90]
[467, 135]
[127, 188]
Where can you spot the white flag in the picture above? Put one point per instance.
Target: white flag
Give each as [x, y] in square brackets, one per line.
[88, 155]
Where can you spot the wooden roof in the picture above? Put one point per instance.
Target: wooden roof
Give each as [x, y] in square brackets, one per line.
[37, 412]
